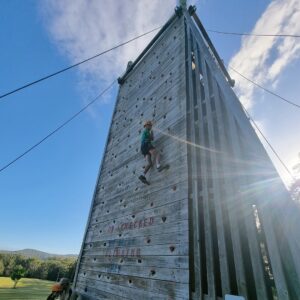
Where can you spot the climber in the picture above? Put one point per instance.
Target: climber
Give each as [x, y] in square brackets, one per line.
[149, 151]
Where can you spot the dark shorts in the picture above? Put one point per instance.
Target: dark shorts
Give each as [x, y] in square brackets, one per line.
[146, 147]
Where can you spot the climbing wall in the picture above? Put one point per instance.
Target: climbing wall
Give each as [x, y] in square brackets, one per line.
[136, 243]
[219, 221]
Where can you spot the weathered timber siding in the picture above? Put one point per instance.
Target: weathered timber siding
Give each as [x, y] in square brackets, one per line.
[136, 243]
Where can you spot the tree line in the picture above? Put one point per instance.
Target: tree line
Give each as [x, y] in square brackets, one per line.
[52, 268]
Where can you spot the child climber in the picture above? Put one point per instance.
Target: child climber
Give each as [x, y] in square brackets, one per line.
[149, 151]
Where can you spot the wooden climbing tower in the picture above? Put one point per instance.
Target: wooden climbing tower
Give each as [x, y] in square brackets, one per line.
[219, 221]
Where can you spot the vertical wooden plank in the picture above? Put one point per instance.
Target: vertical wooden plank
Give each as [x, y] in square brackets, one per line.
[205, 193]
[279, 277]
[215, 154]
[256, 257]
[194, 208]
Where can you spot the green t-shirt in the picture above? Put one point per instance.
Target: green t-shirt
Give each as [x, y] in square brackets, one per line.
[146, 136]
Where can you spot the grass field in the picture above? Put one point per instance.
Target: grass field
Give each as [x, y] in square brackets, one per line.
[27, 289]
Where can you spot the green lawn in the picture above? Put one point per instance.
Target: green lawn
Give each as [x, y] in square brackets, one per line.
[27, 289]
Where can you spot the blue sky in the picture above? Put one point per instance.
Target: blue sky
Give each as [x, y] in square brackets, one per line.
[45, 197]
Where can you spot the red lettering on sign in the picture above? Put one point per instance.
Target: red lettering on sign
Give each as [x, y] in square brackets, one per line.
[132, 225]
[123, 252]
[140, 223]
[145, 222]
[151, 221]
[110, 229]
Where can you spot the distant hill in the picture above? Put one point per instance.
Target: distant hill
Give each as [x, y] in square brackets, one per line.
[39, 254]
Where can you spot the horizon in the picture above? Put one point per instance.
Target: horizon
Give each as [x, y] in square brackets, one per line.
[16, 250]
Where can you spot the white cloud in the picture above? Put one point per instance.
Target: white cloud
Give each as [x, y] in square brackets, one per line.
[81, 29]
[263, 59]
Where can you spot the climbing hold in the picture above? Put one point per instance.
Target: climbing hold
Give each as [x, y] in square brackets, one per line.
[164, 219]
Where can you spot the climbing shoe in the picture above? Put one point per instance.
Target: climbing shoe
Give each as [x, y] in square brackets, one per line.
[143, 179]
